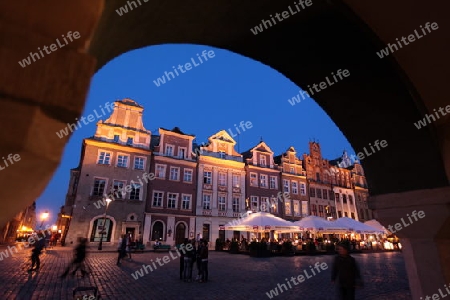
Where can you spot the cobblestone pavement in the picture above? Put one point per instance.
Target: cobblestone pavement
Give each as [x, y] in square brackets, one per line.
[230, 277]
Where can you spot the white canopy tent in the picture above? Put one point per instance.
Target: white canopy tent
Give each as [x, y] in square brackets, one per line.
[261, 222]
[356, 226]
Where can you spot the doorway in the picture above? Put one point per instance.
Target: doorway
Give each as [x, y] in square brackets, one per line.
[180, 233]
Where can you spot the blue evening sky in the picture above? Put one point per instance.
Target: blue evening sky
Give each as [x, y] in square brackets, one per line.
[215, 95]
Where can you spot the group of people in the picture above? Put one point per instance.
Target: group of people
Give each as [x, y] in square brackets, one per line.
[198, 254]
[124, 248]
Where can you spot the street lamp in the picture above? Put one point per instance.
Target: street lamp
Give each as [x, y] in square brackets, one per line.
[104, 224]
[44, 216]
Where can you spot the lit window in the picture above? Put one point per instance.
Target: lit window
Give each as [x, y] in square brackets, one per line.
[160, 171]
[254, 203]
[236, 180]
[253, 179]
[287, 206]
[263, 179]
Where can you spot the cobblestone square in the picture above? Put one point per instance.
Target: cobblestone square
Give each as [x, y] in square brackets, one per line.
[230, 277]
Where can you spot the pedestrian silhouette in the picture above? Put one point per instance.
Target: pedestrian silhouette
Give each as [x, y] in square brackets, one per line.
[38, 246]
[79, 258]
[346, 271]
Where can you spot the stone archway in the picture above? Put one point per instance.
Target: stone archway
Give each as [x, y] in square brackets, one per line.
[380, 100]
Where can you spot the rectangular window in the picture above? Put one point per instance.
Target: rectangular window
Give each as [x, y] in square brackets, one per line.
[222, 200]
[262, 160]
[187, 175]
[325, 194]
[118, 189]
[222, 155]
[157, 199]
[344, 198]
[350, 199]
[294, 187]
[254, 203]
[318, 177]
[312, 192]
[314, 209]
[274, 205]
[287, 207]
[116, 138]
[172, 200]
[263, 179]
[286, 185]
[160, 171]
[253, 179]
[292, 170]
[104, 158]
[169, 150]
[336, 195]
[139, 163]
[207, 177]
[319, 193]
[339, 214]
[305, 208]
[186, 202]
[174, 173]
[302, 189]
[273, 182]
[320, 210]
[346, 214]
[130, 141]
[222, 179]
[236, 180]
[135, 191]
[99, 187]
[235, 204]
[362, 214]
[353, 215]
[122, 161]
[206, 201]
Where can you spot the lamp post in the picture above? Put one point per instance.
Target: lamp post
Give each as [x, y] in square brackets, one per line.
[44, 216]
[104, 224]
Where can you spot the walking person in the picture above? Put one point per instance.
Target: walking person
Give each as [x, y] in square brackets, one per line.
[78, 261]
[204, 258]
[122, 249]
[346, 271]
[39, 245]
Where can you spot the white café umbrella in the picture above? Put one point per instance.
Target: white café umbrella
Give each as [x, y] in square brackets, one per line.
[260, 222]
[358, 227]
[319, 225]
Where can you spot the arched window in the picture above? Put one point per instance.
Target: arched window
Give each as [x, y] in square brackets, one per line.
[99, 231]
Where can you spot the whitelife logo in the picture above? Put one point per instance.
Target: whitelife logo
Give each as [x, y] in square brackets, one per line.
[27, 61]
[411, 38]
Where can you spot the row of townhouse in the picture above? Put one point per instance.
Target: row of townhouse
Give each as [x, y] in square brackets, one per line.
[167, 187]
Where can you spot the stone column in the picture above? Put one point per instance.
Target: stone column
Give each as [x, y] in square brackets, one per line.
[39, 99]
[425, 241]
[147, 228]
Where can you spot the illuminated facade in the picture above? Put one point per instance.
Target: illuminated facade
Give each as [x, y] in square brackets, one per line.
[169, 213]
[112, 165]
[320, 181]
[294, 183]
[361, 193]
[220, 187]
